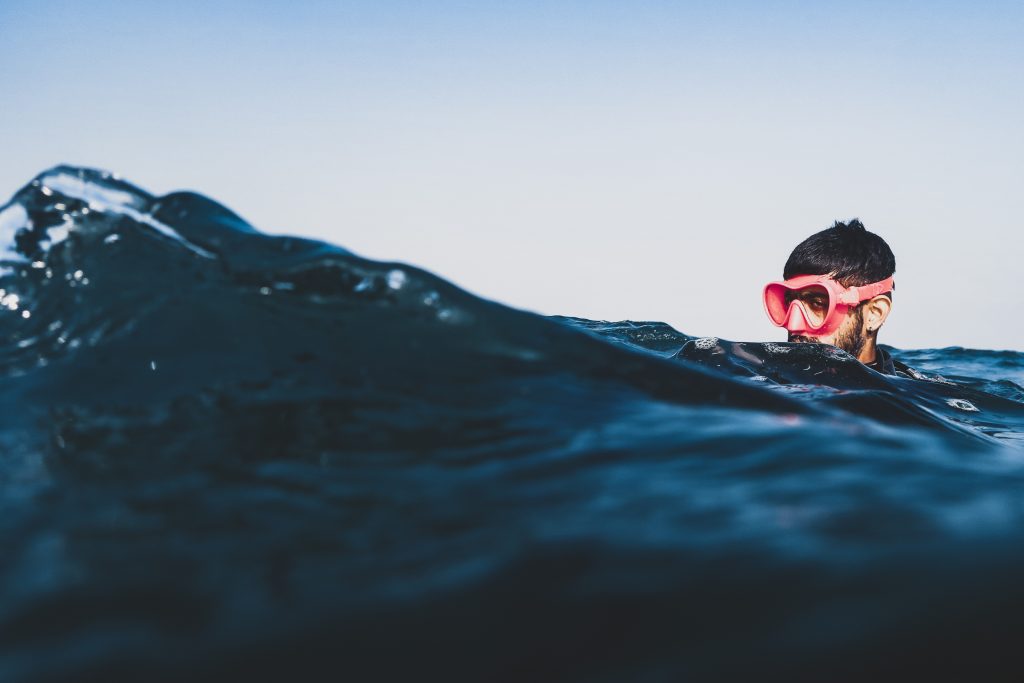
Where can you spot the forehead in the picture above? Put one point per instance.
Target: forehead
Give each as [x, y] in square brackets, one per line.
[812, 290]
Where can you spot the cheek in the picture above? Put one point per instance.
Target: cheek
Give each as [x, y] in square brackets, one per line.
[853, 325]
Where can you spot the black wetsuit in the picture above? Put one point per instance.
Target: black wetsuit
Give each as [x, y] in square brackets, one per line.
[887, 365]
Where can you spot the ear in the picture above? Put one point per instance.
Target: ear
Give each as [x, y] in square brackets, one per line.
[876, 311]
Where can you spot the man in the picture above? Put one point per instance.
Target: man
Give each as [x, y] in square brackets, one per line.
[837, 290]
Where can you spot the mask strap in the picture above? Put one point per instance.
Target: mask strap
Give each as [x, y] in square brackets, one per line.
[865, 292]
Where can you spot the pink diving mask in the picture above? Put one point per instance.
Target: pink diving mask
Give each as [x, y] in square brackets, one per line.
[816, 304]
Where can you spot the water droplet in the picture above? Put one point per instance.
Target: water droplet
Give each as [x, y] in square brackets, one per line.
[26, 314]
[776, 348]
[152, 365]
[109, 239]
[396, 278]
[265, 291]
[963, 405]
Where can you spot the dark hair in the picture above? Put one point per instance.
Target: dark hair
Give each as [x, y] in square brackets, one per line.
[847, 251]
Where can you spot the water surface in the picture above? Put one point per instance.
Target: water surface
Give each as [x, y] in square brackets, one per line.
[227, 453]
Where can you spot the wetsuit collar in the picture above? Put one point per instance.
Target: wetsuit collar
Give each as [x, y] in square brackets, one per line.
[883, 362]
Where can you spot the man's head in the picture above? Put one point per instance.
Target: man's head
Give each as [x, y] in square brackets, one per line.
[850, 256]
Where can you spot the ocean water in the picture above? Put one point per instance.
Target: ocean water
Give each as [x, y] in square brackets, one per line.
[233, 455]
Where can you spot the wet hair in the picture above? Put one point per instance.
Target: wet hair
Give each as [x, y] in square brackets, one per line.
[847, 251]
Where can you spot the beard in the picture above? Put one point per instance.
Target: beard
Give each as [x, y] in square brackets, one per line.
[853, 340]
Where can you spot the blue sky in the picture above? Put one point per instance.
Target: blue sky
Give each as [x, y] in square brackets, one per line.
[607, 160]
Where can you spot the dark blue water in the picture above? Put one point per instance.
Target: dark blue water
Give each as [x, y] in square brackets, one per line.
[230, 455]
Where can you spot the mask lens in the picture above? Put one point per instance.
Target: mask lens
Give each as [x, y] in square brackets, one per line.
[815, 300]
[775, 303]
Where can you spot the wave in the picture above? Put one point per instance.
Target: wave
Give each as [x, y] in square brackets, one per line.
[236, 447]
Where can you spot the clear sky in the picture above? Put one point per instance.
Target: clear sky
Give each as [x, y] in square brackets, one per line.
[641, 160]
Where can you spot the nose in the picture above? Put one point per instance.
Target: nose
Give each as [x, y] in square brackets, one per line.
[796, 321]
